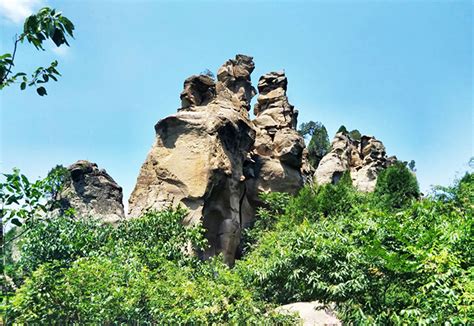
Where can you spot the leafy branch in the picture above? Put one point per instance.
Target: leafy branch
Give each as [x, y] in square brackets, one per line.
[46, 24]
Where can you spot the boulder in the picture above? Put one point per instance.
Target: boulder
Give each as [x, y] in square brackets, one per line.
[92, 192]
[311, 313]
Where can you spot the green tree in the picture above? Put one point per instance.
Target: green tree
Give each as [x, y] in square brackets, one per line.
[411, 166]
[46, 24]
[355, 135]
[411, 266]
[396, 186]
[342, 129]
[319, 143]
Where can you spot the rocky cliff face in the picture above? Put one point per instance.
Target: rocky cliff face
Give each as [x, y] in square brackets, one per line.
[211, 158]
[91, 192]
[364, 159]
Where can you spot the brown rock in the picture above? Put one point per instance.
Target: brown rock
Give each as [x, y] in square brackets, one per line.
[278, 149]
[91, 192]
[198, 90]
[364, 160]
[205, 156]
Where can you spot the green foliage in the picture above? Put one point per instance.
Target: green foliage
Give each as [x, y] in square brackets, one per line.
[138, 272]
[396, 187]
[411, 266]
[60, 239]
[355, 135]
[157, 236]
[308, 128]
[342, 129]
[319, 143]
[23, 200]
[330, 243]
[411, 166]
[265, 219]
[46, 24]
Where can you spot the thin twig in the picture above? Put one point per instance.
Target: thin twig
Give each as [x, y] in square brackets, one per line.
[17, 39]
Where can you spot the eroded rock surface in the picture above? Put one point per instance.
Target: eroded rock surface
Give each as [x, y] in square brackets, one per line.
[92, 192]
[198, 157]
[212, 159]
[278, 150]
[364, 159]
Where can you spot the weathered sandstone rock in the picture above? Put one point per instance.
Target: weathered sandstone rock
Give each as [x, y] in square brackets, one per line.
[206, 157]
[198, 156]
[91, 192]
[364, 159]
[278, 149]
[198, 90]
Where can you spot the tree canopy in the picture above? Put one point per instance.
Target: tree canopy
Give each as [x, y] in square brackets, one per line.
[318, 145]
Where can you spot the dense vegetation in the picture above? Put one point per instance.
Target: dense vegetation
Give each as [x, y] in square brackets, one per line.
[384, 258]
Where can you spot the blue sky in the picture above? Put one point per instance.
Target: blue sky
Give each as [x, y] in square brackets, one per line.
[401, 71]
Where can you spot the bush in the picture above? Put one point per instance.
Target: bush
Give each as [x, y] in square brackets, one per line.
[411, 266]
[396, 187]
[158, 235]
[139, 272]
[314, 202]
[61, 239]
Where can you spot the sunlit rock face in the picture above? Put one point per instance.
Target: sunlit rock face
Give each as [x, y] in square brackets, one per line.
[92, 192]
[364, 159]
[277, 154]
[211, 158]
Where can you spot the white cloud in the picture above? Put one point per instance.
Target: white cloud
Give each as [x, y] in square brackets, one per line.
[17, 10]
[61, 51]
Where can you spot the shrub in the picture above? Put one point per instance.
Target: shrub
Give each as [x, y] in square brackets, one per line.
[139, 272]
[411, 266]
[158, 235]
[396, 187]
[61, 239]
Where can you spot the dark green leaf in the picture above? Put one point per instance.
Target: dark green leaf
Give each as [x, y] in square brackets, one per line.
[16, 222]
[41, 91]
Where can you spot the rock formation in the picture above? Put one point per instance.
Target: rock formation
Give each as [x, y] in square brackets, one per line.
[91, 192]
[278, 150]
[204, 156]
[364, 159]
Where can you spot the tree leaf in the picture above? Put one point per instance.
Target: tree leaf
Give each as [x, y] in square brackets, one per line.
[16, 221]
[23, 86]
[41, 91]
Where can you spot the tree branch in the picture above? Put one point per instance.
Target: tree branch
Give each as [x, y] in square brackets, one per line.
[17, 39]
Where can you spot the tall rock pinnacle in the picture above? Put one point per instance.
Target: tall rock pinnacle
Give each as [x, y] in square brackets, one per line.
[204, 155]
